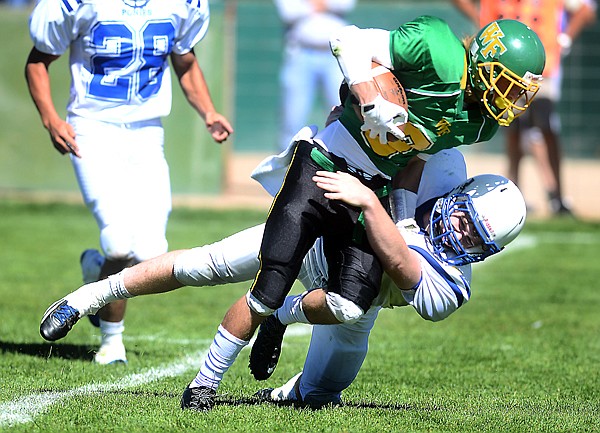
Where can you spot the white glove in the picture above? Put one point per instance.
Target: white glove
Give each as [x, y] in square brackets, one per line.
[381, 116]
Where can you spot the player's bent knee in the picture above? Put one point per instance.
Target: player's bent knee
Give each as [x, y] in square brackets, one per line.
[116, 242]
[149, 247]
[344, 310]
[257, 306]
[195, 268]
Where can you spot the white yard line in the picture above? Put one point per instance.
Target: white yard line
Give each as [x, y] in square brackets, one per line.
[520, 243]
[567, 238]
[295, 330]
[527, 241]
[24, 409]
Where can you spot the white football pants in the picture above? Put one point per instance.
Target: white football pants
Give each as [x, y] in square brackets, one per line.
[124, 180]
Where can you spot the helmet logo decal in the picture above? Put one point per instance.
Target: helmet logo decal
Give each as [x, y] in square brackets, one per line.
[491, 39]
[489, 227]
[442, 127]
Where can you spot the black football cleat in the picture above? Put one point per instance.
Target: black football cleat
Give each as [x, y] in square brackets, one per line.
[58, 320]
[264, 395]
[201, 399]
[267, 348]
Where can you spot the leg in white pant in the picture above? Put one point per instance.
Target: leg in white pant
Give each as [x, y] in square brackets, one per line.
[334, 358]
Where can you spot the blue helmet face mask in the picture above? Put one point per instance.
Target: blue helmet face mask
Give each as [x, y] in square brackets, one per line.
[488, 211]
[445, 238]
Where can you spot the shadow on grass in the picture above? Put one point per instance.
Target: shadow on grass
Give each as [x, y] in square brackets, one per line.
[236, 401]
[230, 400]
[50, 350]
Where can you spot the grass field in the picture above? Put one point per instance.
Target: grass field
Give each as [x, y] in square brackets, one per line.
[522, 356]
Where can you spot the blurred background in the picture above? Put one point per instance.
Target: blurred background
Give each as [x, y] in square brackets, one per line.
[241, 58]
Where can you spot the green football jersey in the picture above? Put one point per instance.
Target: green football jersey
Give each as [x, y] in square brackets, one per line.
[431, 64]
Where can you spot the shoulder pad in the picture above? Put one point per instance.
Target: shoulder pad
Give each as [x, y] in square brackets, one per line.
[195, 3]
[71, 5]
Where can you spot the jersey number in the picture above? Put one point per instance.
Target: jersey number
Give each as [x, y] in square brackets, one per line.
[122, 70]
[415, 139]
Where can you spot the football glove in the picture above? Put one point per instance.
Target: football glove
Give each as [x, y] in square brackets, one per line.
[382, 117]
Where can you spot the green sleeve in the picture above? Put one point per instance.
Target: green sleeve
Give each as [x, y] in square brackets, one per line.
[427, 54]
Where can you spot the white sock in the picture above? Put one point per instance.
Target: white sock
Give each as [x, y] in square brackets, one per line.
[221, 355]
[291, 310]
[112, 332]
[117, 288]
[89, 298]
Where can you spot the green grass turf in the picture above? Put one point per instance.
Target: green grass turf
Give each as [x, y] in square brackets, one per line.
[521, 356]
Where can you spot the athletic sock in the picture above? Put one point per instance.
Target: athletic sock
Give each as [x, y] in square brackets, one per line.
[112, 332]
[291, 310]
[221, 355]
[117, 288]
[89, 298]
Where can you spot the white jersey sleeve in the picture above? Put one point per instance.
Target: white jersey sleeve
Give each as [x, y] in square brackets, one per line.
[193, 29]
[441, 291]
[52, 25]
[119, 52]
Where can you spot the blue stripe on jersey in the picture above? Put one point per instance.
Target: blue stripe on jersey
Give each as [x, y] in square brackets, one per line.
[440, 270]
[69, 5]
[194, 3]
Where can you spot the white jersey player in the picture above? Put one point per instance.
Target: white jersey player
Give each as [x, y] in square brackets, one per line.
[119, 53]
[442, 289]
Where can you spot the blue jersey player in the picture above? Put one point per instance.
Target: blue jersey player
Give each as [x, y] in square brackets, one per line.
[119, 53]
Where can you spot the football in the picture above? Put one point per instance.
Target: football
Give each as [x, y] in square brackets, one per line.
[390, 89]
[388, 85]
